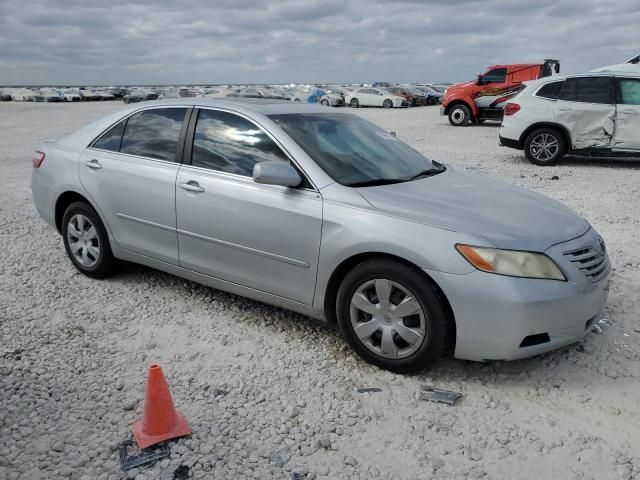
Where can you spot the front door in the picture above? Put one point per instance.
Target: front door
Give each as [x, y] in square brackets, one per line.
[130, 173]
[264, 237]
[627, 135]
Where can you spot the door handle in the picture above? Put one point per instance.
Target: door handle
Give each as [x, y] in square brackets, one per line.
[93, 164]
[191, 186]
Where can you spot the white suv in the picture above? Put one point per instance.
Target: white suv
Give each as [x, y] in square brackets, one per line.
[591, 114]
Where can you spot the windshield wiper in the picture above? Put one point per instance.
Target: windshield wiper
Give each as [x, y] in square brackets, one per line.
[427, 173]
[377, 181]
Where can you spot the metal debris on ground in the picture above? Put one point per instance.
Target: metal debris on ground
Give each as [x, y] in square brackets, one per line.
[436, 395]
[146, 456]
[369, 390]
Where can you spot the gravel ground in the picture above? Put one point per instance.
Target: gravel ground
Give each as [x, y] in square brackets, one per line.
[262, 387]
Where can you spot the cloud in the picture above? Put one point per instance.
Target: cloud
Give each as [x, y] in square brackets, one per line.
[247, 41]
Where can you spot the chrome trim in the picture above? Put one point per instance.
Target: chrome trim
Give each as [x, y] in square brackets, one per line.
[146, 222]
[262, 253]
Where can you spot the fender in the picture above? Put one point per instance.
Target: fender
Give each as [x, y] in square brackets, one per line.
[465, 99]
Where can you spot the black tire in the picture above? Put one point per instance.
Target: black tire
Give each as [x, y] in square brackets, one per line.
[324, 102]
[436, 339]
[387, 103]
[126, 99]
[105, 261]
[557, 146]
[459, 115]
[354, 103]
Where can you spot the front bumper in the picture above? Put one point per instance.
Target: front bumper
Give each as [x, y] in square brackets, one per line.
[494, 314]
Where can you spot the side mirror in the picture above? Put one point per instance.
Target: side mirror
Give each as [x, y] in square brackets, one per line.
[479, 78]
[276, 173]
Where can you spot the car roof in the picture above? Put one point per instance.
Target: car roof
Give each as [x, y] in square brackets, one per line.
[558, 78]
[247, 106]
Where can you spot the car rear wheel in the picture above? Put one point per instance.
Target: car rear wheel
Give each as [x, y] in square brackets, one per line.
[459, 115]
[545, 146]
[387, 103]
[354, 103]
[324, 102]
[391, 316]
[86, 241]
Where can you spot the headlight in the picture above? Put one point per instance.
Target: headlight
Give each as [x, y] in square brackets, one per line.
[513, 263]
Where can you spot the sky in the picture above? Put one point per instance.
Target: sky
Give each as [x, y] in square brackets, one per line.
[88, 42]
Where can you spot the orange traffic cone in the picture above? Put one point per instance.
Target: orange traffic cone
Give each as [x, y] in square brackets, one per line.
[160, 421]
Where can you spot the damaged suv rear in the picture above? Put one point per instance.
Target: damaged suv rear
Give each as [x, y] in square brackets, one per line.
[590, 114]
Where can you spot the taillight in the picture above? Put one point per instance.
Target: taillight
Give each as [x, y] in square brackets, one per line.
[511, 108]
[38, 158]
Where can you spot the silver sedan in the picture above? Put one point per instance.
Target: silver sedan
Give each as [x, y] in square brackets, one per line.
[326, 214]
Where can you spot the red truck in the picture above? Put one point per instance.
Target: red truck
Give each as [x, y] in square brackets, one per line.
[484, 98]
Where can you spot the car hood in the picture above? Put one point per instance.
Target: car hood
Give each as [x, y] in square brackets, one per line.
[507, 216]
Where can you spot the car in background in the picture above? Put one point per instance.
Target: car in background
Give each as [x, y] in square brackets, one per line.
[375, 97]
[413, 99]
[630, 66]
[484, 99]
[433, 96]
[5, 96]
[588, 114]
[256, 93]
[325, 97]
[411, 258]
[139, 95]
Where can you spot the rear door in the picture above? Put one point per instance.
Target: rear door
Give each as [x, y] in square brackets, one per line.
[627, 134]
[586, 107]
[266, 237]
[130, 173]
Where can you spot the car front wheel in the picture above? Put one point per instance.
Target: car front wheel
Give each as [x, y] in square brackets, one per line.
[86, 241]
[391, 316]
[354, 103]
[459, 115]
[545, 146]
[387, 103]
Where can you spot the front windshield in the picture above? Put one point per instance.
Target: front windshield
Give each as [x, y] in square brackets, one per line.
[353, 151]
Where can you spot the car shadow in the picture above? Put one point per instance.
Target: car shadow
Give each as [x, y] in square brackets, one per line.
[603, 162]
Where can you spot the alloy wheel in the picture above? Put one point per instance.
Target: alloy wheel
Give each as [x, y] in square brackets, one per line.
[83, 240]
[544, 147]
[388, 319]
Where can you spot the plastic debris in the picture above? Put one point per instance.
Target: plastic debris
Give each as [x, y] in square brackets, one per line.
[179, 473]
[146, 456]
[436, 395]
[369, 390]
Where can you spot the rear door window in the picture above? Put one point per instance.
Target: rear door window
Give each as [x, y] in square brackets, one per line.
[154, 133]
[587, 90]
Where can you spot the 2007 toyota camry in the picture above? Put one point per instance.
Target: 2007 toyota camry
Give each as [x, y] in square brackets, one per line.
[326, 214]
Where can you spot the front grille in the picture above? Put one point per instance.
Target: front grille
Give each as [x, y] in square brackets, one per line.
[590, 262]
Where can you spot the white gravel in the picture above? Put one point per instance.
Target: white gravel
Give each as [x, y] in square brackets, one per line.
[262, 387]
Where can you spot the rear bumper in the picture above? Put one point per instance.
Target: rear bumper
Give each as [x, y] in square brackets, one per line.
[494, 314]
[509, 142]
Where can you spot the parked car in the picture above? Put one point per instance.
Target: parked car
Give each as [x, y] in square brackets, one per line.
[433, 96]
[630, 66]
[256, 93]
[374, 97]
[325, 97]
[410, 257]
[485, 98]
[135, 96]
[413, 99]
[594, 114]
